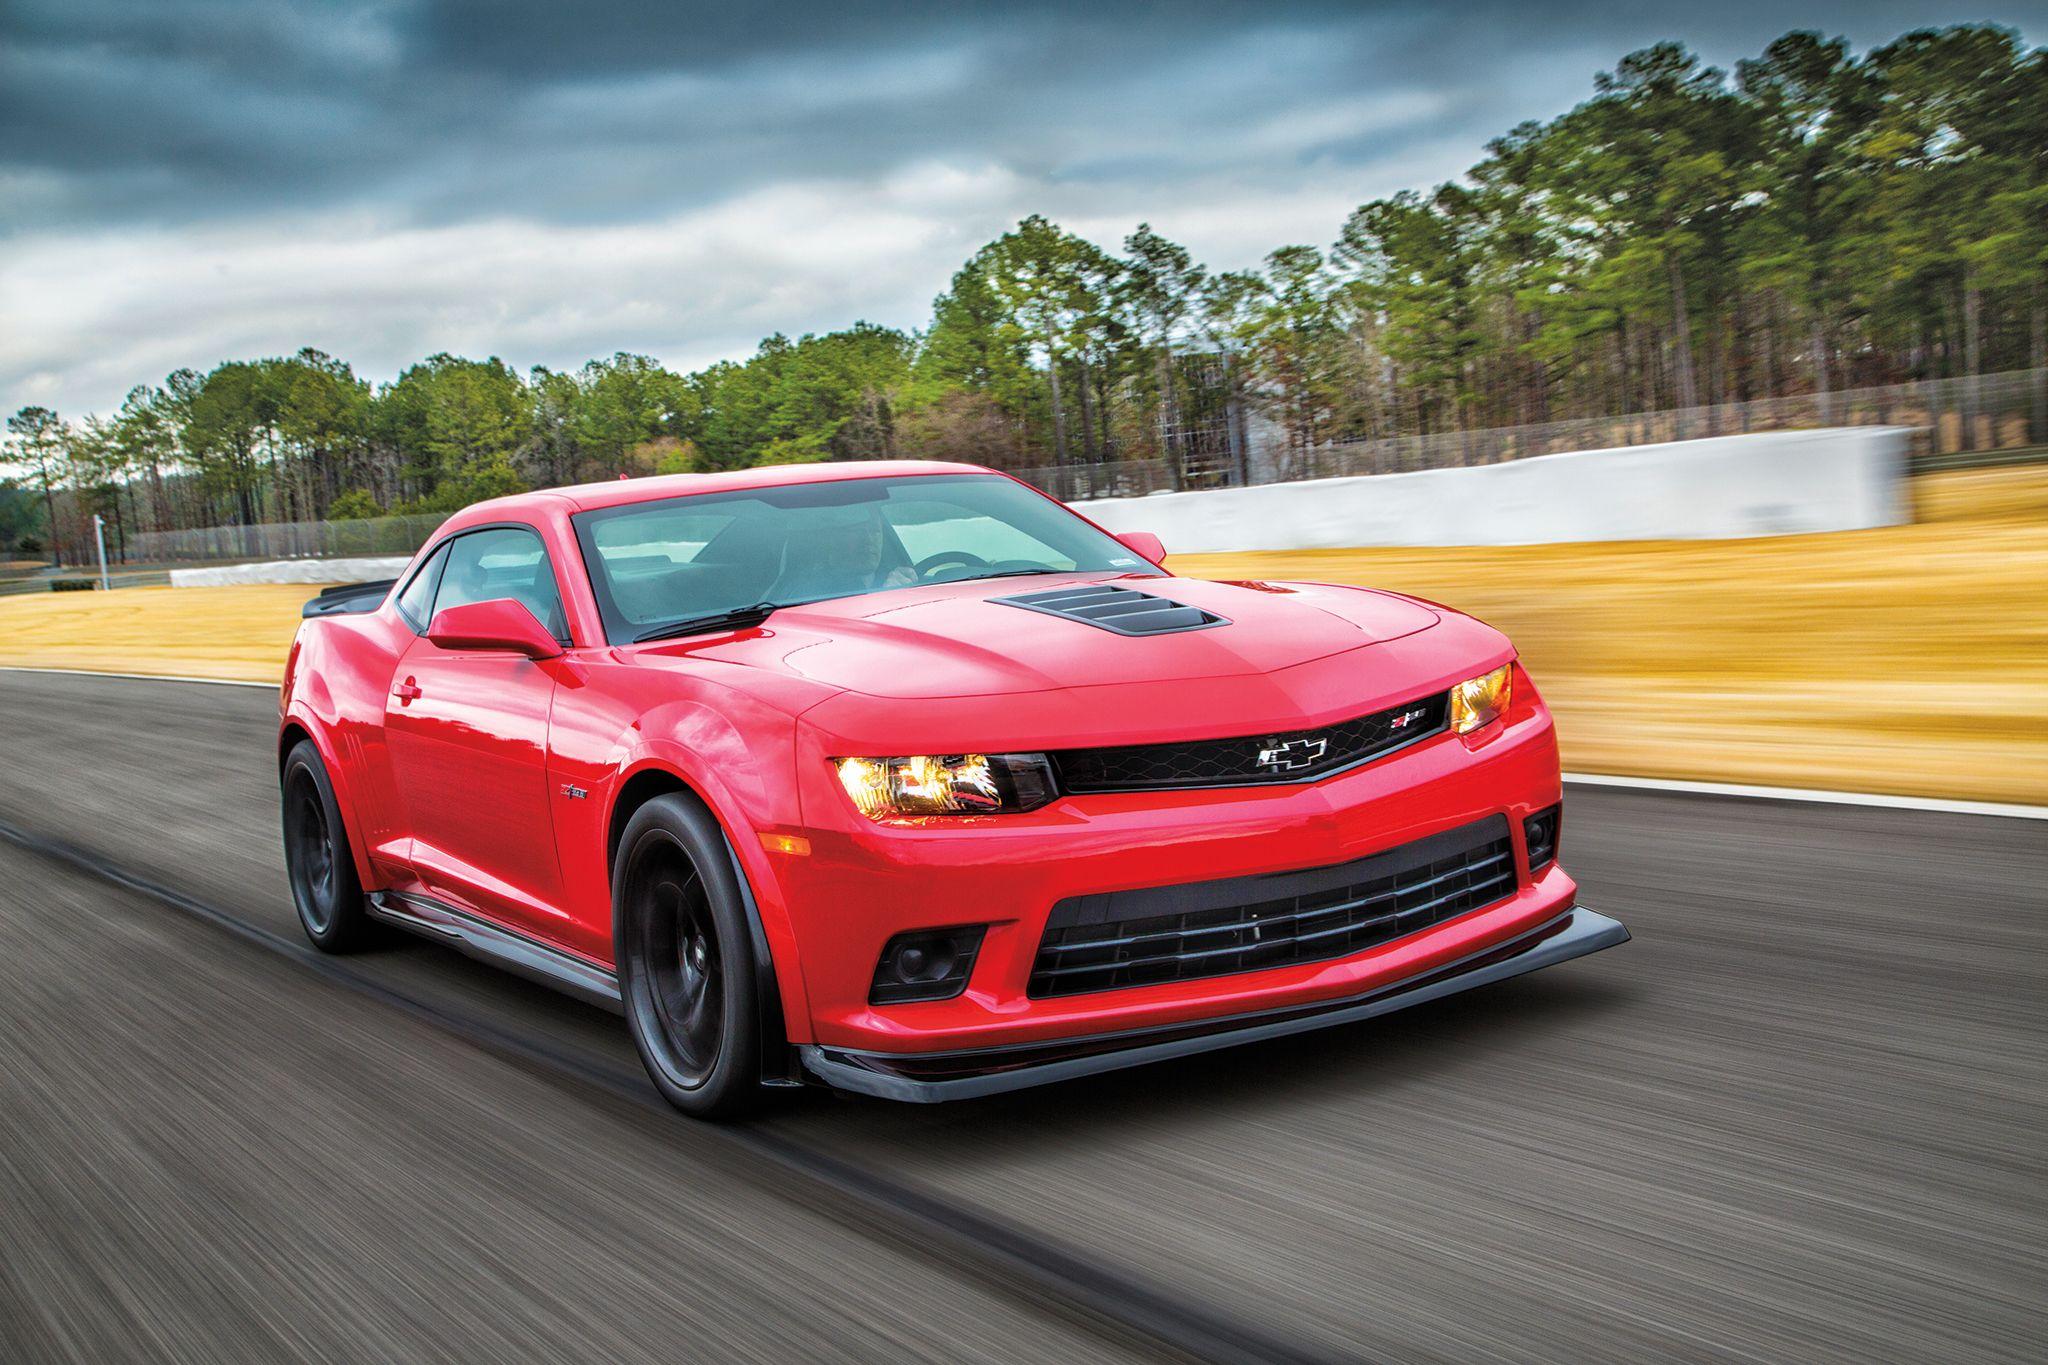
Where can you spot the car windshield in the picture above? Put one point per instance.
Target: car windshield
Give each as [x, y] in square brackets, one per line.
[653, 564]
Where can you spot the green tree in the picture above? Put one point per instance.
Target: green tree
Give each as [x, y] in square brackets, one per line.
[624, 403]
[355, 504]
[1285, 321]
[455, 426]
[819, 397]
[1417, 266]
[1159, 290]
[225, 423]
[736, 403]
[554, 451]
[98, 471]
[837, 391]
[1054, 289]
[972, 383]
[38, 440]
[1957, 156]
[20, 517]
[146, 434]
[1813, 105]
[1654, 168]
[320, 427]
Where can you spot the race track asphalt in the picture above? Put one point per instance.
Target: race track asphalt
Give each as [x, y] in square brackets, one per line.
[1800, 1117]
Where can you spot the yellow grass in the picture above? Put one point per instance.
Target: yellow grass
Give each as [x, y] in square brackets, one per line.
[1912, 659]
[238, 632]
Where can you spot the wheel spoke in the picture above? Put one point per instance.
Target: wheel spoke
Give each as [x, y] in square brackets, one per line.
[677, 951]
[693, 1026]
[313, 856]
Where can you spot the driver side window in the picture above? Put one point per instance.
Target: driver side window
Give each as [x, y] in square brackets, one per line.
[507, 561]
[416, 600]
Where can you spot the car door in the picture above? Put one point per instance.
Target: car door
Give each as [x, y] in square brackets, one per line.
[467, 731]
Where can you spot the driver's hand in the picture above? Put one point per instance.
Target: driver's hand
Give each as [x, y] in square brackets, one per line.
[902, 576]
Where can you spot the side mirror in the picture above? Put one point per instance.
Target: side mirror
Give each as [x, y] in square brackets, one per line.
[499, 624]
[1147, 545]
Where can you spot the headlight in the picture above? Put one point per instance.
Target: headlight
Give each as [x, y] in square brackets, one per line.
[946, 784]
[1479, 701]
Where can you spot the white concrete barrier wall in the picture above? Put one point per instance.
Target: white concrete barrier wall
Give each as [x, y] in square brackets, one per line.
[291, 571]
[1766, 484]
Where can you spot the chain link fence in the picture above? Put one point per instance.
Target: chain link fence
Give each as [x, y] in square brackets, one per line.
[1109, 479]
[1950, 416]
[371, 536]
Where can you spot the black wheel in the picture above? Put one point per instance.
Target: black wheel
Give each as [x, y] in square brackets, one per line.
[317, 860]
[686, 960]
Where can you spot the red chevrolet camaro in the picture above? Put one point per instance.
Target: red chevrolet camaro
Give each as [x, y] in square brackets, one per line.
[906, 779]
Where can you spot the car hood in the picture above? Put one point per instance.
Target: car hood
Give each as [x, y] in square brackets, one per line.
[961, 640]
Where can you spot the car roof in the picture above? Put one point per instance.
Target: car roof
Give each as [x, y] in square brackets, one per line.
[616, 492]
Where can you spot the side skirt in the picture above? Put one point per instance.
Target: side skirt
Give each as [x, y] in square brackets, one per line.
[498, 946]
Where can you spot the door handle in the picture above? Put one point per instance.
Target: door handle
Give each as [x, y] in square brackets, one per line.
[407, 690]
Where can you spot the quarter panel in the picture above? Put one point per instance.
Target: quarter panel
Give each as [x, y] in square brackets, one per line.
[336, 693]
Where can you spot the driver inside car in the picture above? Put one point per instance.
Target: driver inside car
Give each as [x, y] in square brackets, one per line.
[845, 550]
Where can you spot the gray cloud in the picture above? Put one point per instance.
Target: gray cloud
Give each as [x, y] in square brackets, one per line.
[183, 157]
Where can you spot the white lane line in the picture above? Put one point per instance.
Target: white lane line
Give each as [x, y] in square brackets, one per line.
[1811, 794]
[141, 677]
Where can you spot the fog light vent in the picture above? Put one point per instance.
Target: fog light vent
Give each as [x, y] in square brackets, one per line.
[1540, 832]
[926, 964]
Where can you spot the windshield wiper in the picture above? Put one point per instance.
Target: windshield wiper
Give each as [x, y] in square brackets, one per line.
[717, 620]
[1008, 573]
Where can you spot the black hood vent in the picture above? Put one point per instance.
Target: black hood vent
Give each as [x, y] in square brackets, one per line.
[1123, 610]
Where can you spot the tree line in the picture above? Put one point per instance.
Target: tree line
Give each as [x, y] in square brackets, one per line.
[1812, 221]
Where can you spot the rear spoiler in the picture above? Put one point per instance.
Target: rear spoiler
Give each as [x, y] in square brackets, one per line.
[349, 599]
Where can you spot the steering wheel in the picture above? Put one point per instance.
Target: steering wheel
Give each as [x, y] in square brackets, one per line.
[947, 559]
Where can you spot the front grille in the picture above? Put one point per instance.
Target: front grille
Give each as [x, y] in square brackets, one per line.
[1297, 756]
[1176, 933]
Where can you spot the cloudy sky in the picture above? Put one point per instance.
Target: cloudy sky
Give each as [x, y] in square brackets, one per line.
[183, 181]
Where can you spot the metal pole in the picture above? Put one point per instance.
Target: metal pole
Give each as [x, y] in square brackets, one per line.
[99, 534]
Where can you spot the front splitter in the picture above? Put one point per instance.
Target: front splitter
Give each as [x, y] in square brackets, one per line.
[930, 1077]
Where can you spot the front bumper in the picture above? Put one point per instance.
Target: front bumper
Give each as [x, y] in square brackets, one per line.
[931, 1077]
[865, 882]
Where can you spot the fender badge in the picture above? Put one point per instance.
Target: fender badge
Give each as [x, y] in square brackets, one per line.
[573, 792]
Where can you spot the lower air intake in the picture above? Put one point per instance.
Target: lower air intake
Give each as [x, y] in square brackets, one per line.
[1245, 924]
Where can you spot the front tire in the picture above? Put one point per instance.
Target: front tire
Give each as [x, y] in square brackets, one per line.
[317, 859]
[686, 960]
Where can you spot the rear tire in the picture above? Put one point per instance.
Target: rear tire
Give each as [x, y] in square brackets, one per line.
[318, 861]
[685, 959]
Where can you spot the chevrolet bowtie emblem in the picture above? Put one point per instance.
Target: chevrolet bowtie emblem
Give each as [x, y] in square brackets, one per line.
[1288, 755]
